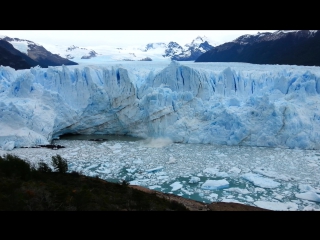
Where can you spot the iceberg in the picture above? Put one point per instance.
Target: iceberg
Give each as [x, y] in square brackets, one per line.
[186, 102]
[260, 181]
[215, 184]
[154, 170]
[194, 179]
[311, 196]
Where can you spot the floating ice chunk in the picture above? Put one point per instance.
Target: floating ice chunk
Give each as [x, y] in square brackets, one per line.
[215, 184]
[238, 190]
[311, 196]
[213, 195]
[278, 197]
[175, 186]
[117, 146]
[194, 180]
[106, 171]
[230, 200]
[116, 151]
[153, 170]
[131, 170]
[154, 186]
[235, 170]
[138, 161]
[249, 199]
[277, 206]
[157, 142]
[222, 174]
[186, 191]
[160, 173]
[91, 174]
[91, 166]
[172, 160]
[260, 181]
[306, 188]
[162, 177]
[271, 174]
[211, 170]
[134, 182]
[312, 165]
[8, 146]
[310, 208]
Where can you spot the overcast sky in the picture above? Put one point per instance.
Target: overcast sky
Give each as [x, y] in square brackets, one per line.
[121, 38]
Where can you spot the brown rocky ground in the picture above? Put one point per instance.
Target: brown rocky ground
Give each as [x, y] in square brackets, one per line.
[193, 205]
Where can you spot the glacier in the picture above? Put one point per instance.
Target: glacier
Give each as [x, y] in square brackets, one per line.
[186, 102]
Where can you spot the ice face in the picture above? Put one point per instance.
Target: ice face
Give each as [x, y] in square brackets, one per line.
[211, 103]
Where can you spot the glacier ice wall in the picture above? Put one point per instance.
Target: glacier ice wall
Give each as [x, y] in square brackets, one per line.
[220, 103]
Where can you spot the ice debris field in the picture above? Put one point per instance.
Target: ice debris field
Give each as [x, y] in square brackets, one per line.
[271, 178]
[217, 131]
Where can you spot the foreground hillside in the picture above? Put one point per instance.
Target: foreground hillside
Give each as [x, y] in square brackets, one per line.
[28, 188]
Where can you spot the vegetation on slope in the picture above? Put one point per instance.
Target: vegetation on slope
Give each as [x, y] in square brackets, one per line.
[24, 187]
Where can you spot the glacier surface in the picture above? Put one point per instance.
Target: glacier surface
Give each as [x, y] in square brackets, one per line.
[186, 102]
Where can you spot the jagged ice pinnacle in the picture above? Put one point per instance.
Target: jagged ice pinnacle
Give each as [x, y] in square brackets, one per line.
[220, 103]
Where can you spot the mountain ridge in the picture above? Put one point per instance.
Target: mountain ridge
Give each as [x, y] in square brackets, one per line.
[291, 47]
[12, 57]
[32, 53]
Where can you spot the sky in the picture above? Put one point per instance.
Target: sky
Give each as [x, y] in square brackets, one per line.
[121, 38]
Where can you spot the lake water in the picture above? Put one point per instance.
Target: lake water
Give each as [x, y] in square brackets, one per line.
[272, 178]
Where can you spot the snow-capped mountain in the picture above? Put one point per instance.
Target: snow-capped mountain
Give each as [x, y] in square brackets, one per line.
[173, 49]
[193, 50]
[154, 46]
[294, 47]
[188, 52]
[71, 52]
[155, 51]
[52, 55]
[10, 56]
[40, 55]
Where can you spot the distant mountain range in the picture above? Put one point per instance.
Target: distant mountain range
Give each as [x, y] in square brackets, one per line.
[153, 51]
[292, 47]
[22, 54]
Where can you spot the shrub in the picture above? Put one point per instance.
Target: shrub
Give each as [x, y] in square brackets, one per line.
[13, 166]
[75, 173]
[60, 165]
[43, 167]
[125, 183]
